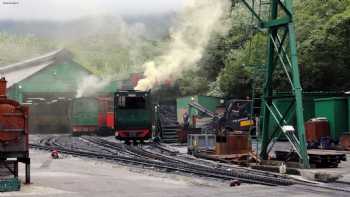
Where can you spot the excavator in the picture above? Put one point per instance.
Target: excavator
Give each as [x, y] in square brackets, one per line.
[237, 117]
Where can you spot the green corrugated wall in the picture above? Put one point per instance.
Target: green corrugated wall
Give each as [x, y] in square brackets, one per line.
[206, 101]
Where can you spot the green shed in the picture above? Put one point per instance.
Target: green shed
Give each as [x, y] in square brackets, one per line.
[335, 109]
[48, 84]
[211, 103]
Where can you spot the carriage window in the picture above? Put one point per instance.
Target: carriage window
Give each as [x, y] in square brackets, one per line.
[131, 102]
[121, 101]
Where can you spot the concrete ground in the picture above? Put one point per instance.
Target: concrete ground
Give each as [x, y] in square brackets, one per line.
[80, 177]
[343, 170]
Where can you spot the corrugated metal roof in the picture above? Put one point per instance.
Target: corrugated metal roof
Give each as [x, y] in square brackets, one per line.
[17, 72]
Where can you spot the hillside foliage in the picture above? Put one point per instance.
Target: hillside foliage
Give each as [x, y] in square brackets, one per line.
[323, 37]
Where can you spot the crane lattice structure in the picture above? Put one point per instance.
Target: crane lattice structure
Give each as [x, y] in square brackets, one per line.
[282, 54]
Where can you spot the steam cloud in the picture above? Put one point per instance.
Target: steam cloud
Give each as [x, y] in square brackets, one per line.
[199, 20]
[127, 36]
[90, 85]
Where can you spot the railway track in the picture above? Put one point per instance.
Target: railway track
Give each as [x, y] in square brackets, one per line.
[236, 172]
[93, 147]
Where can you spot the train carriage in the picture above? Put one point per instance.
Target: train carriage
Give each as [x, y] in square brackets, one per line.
[84, 116]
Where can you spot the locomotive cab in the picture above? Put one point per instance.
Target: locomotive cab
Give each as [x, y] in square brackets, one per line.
[133, 115]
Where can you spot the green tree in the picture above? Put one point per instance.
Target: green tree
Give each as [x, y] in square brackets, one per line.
[323, 42]
[326, 57]
[243, 67]
[191, 84]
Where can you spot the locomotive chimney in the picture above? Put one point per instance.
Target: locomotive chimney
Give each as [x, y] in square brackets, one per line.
[3, 83]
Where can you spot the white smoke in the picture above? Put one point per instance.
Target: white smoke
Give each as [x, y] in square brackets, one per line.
[199, 20]
[90, 85]
[124, 35]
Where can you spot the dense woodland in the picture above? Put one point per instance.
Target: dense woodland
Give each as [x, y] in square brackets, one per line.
[233, 65]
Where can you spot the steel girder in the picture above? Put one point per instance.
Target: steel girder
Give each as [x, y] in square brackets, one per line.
[282, 53]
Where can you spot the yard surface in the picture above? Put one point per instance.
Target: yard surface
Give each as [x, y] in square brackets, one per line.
[80, 177]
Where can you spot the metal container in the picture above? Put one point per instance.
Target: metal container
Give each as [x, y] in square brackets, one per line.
[239, 143]
[315, 129]
[335, 110]
[201, 142]
[236, 143]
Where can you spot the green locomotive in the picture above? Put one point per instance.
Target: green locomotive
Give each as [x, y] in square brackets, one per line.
[134, 115]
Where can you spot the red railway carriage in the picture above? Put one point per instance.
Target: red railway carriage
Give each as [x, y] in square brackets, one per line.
[13, 131]
[105, 111]
[105, 116]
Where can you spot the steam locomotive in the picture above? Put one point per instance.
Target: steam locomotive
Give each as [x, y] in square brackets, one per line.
[134, 115]
[14, 134]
